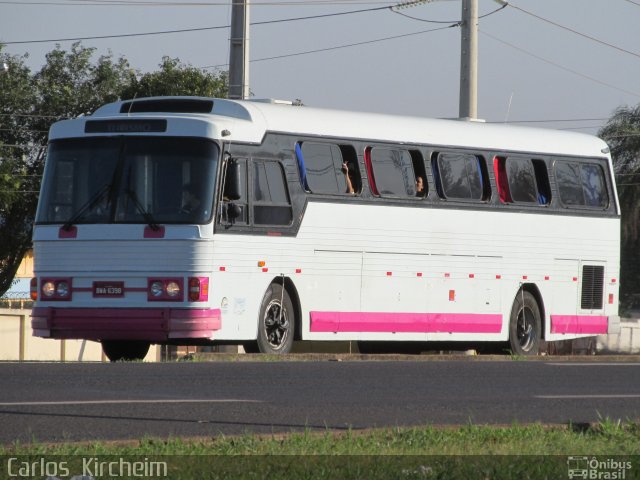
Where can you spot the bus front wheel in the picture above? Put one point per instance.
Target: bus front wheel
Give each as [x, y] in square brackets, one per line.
[125, 350]
[276, 323]
[525, 325]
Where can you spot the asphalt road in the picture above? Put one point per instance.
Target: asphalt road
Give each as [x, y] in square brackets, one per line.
[71, 402]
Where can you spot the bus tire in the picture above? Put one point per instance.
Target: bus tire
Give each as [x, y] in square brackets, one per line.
[525, 325]
[125, 350]
[276, 324]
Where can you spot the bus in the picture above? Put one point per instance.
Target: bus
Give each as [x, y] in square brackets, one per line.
[204, 221]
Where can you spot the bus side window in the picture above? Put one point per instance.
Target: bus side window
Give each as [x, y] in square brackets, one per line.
[581, 184]
[323, 168]
[522, 180]
[569, 184]
[393, 172]
[271, 204]
[460, 176]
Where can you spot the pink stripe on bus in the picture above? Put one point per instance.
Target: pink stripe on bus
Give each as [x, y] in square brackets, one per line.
[578, 324]
[405, 322]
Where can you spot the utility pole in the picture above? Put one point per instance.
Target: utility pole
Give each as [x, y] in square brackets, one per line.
[239, 51]
[469, 60]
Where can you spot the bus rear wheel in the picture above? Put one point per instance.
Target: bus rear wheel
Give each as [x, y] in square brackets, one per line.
[125, 350]
[525, 325]
[276, 325]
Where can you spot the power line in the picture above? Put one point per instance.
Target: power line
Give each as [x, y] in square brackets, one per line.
[185, 30]
[557, 65]
[631, 1]
[306, 52]
[551, 22]
[441, 21]
[102, 37]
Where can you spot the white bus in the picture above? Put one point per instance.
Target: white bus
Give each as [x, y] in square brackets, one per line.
[196, 221]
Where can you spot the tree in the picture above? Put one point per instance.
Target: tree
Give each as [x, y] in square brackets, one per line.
[622, 133]
[176, 78]
[70, 83]
[17, 152]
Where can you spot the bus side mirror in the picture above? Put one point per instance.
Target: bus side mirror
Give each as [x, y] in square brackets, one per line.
[233, 211]
[232, 187]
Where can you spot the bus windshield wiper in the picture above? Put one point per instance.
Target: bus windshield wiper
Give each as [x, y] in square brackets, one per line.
[92, 202]
[146, 215]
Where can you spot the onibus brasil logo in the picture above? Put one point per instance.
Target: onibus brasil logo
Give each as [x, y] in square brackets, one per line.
[593, 468]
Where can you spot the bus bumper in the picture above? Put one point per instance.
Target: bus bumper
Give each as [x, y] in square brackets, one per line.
[149, 324]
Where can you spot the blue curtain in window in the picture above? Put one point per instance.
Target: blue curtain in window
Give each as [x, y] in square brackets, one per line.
[301, 167]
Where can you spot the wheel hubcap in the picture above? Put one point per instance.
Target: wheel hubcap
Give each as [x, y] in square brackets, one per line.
[525, 330]
[276, 325]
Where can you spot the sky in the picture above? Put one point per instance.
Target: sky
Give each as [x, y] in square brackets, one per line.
[565, 64]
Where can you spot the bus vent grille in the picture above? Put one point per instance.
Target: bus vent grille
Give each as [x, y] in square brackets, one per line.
[592, 287]
[168, 105]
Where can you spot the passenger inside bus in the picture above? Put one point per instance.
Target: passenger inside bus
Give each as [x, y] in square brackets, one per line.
[190, 201]
[419, 187]
[347, 176]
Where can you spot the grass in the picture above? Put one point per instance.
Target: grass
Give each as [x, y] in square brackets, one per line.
[471, 451]
[607, 437]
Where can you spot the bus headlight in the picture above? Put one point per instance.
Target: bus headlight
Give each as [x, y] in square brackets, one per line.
[173, 289]
[165, 289]
[48, 289]
[156, 289]
[62, 289]
[55, 288]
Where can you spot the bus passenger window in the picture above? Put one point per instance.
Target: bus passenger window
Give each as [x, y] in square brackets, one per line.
[460, 176]
[393, 172]
[522, 180]
[569, 186]
[325, 165]
[581, 184]
[271, 204]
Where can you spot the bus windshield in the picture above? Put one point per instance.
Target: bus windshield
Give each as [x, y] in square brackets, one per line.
[129, 180]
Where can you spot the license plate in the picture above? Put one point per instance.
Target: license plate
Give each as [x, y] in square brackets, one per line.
[108, 289]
